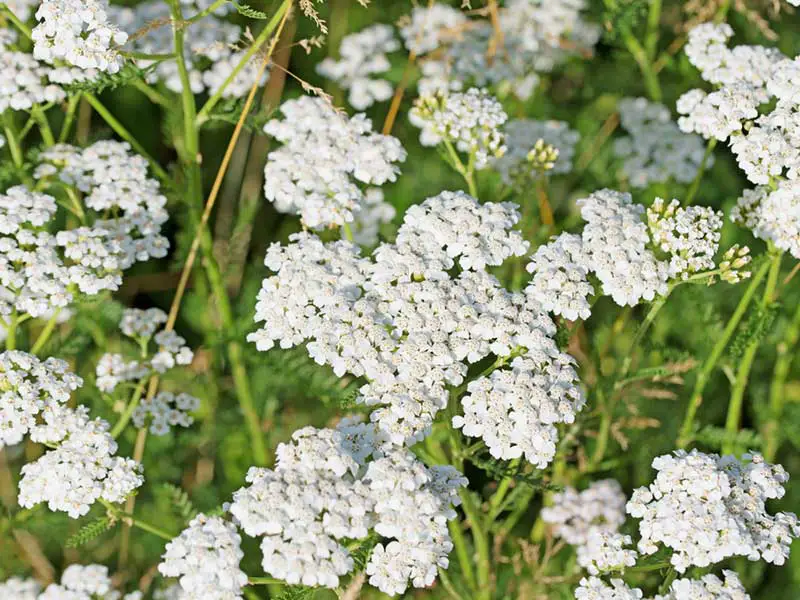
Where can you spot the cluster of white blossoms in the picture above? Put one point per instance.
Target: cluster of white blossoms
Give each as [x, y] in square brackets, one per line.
[334, 485]
[78, 582]
[472, 121]
[709, 587]
[373, 212]
[144, 326]
[655, 149]
[706, 508]
[121, 211]
[361, 56]
[30, 387]
[590, 520]
[79, 33]
[537, 37]
[80, 465]
[618, 244]
[430, 26]
[415, 315]
[766, 144]
[205, 557]
[521, 136]
[211, 48]
[772, 215]
[26, 81]
[165, 410]
[324, 157]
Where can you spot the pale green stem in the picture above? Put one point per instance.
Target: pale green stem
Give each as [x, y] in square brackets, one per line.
[46, 332]
[686, 431]
[645, 66]
[120, 130]
[262, 38]
[119, 427]
[651, 38]
[734, 415]
[11, 331]
[712, 143]
[44, 126]
[131, 520]
[69, 118]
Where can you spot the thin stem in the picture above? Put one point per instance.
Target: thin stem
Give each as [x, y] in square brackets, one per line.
[651, 37]
[655, 307]
[154, 95]
[735, 405]
[777, 392]
[46, 332]
[639, 54]
[13, 142]
[11, 331]
[277, 20]
[129, 520]
[545, 210]
[264, 581]
[203, 13]
[44, 126]
[686, 431]
[130, 504]
[120, 130]
[712, 143]
[69, 117]
[120, 425]
[23, 28]
[481, 540]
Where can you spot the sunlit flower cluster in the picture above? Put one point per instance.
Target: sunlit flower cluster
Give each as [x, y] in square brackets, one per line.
[521, 138]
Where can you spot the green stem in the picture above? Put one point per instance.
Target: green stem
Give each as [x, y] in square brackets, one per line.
[712, 143]
[639, 54]
[44, 126]
[69, 118]
[46, 332]
[735, 405]
[462, 553]
[23, 28]
[264, 581]
[154, 95]
[777, 392]
[262, 38]
[13, 142]
[120, 130]
[11, 331]
[655, 307]
[686, 431]
[204, 13]
[651, 37]
[120, 425]
[481, 540]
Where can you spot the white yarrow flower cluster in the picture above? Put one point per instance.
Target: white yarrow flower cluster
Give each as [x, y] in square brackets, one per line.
[331, 485]
[205, 557]
[324, 157]
[594, 588]
[373, 212]
[29, 387]
[164, 411]
[430, 26]
[521, 137]
[17, 588]
[472, 121]
[655, 149]
[26, 81]
[144, 326]
[80, 468]
[411, 328]
[706, 509]
[362, 55]
[708, 587]
[772, 215]
[79, 33]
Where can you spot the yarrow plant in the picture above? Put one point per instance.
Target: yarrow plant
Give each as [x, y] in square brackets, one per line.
[476, 301]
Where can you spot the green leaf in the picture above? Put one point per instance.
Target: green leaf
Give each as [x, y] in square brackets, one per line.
[89, 532]
[249, 11]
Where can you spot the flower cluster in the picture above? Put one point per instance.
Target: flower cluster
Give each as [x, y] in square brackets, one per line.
[618, 246]
[143, 327]
[324, 157]
[362, 55]
[29, 388]
[78, 582]
[428, 27]
[772, 215]
[537, 37]
[79, 33]
[472, 121]
[331, 485]
[706, 508]
[210, 49]
[26, 81]
[590, 520]
[655, 149]
[205, 556]
[412, 320]
[165, 410]
[373, 212]
[709, 587]
[521, 137]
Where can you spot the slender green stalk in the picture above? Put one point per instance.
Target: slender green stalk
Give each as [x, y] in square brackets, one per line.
[131, 520]
[11, 331]
[13, 143]
[262, 38]
[214, 6]
[126, 135]
[264, 581]
[651, 37]
[462, 554]
[639, 54]
[153, 94]
[120, 425]
[46, 332]
[480, 538]
[777, 391]
[686, 431]
[23, 28]
[44, 126]
[655, 307]
[69, 118]
[712, 143]
[734, 415]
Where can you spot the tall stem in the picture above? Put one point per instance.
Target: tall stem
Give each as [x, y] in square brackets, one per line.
[639, 54]
[46, 332]
[125, 536]
[734, 416]
[777, 391]
[686, 431]
[712, 143]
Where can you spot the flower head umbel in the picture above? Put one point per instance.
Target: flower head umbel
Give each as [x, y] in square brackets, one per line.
[535, 148]
[332, 485]
[324, 158]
